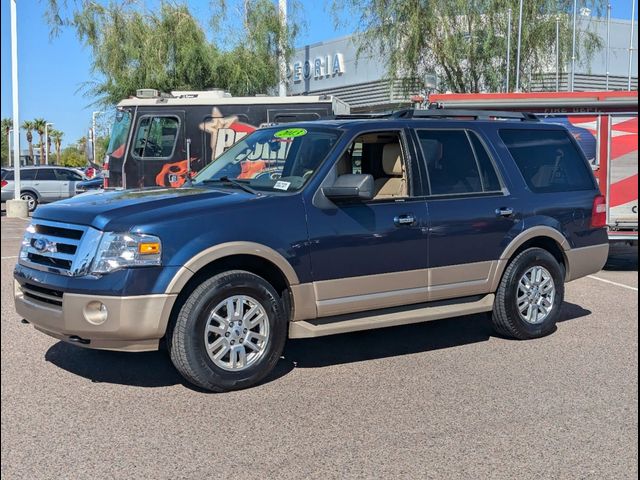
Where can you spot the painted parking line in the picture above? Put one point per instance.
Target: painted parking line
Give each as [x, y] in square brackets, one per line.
[7, 258]
[635, 289]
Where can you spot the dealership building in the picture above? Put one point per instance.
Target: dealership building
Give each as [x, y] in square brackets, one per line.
[333, 67]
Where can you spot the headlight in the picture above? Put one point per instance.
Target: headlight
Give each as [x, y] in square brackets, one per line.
[122, 250]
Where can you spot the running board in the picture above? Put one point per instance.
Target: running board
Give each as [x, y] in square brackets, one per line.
[395, 317]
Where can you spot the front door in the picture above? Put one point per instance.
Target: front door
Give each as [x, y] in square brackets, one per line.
[374, 254]
[157, 155]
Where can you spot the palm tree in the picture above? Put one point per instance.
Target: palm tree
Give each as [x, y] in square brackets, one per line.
[7, 124]
[56, 136]
[28, 126]
[40, 125]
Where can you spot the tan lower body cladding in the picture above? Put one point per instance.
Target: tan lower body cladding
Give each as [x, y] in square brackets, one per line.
[371, 292]
[358, 294]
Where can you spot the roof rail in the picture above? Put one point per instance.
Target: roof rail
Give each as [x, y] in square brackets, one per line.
[465, 114]
[356, 116]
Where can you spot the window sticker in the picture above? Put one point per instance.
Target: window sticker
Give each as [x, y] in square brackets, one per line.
[280, 185]
[290, 133]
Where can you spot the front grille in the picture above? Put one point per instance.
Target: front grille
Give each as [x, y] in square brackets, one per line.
[56, 247]
[41, 294]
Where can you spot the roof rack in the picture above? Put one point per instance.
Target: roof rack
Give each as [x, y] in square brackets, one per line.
[466, 114]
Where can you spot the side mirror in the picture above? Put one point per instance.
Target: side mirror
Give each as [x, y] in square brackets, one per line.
[350, 187]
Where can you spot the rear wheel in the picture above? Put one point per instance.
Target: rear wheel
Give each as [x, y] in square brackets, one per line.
[230, 332]
[530, 294]
[31, 199]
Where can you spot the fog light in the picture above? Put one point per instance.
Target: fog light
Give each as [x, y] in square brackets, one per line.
[95, 313]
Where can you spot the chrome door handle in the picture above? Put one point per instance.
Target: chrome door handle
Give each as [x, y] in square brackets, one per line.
[401, 220]
[504, 212]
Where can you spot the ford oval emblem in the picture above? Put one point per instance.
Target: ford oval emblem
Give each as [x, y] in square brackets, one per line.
[40, 245]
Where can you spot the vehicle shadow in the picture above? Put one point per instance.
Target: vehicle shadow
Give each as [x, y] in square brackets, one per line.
[622, 258]
[154, 369]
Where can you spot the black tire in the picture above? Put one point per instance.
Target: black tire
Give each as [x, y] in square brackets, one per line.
[31, 199]
[506, 318]
[186, 343]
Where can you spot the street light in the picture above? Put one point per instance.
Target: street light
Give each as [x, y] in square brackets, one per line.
[93, 135]
[46, 143]
[15, 207]
[519, 44]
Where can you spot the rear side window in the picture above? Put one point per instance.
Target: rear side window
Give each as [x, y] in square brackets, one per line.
[548, 159]
[29, 174]
[454, 166]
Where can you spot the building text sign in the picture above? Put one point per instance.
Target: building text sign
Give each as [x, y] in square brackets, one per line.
[320, 67]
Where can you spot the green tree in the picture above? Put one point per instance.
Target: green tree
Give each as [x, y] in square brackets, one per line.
[167, 49]
[71, 157]
[56, 136]
[464, 41]
[7, 124]
[29, 126]
[39, 125]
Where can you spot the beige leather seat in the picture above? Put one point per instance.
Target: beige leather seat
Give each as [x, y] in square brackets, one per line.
[394, 185]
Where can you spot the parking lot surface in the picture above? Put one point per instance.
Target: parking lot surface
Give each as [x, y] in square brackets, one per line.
[444, 399]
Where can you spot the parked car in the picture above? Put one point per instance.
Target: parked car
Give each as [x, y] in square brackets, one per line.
[42, 184]
[95, 183]
[326, 227]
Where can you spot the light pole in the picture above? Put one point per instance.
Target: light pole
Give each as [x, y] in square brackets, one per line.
[557, 54]
[519, 43]
[606, 61]
[508, 47]
[633, 14]
[573, 45]
[93, 135]
[46, 143]
[282, 86]
[15, 207]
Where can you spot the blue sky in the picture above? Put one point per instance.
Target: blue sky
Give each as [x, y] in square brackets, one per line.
[51, 71]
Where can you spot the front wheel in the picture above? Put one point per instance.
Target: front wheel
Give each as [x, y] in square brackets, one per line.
[229, 333]
[529, 297]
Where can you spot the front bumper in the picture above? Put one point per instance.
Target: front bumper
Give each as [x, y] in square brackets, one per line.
[134, 323]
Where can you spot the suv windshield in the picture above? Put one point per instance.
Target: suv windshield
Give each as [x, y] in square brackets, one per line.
[274, 159]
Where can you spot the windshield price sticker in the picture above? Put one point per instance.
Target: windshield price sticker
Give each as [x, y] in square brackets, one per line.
[280, 185]
[290, 133]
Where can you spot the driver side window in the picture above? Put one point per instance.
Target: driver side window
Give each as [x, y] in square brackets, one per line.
[156, 137]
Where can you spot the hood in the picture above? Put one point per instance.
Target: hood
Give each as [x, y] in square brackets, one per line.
[119, 210]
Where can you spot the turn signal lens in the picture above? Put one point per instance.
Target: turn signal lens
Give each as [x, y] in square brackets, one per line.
[149, 248]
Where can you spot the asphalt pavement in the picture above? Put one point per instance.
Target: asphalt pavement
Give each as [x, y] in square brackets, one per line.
[443, 400]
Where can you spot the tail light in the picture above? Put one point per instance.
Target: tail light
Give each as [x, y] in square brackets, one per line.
[4, 183]
[599, 212]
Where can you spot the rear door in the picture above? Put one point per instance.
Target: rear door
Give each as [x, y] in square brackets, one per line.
[470, 211]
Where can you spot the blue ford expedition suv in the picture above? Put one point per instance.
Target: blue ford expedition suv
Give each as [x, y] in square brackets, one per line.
[321, 228]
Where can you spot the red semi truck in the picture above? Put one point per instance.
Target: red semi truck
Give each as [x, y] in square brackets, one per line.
[605, 124]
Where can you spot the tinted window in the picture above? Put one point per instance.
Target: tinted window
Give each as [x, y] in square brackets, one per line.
[451, 163]
[490, 180]
[29, 174]
[8, 176]
[548, 159]
[156, 137]
[46, 174]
